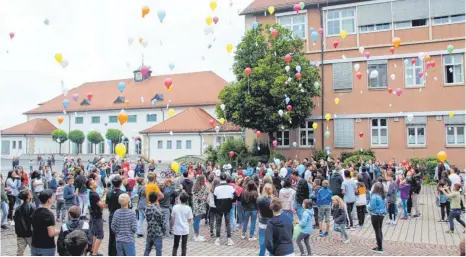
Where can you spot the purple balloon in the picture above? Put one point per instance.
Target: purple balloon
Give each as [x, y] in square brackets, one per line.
[75, 97]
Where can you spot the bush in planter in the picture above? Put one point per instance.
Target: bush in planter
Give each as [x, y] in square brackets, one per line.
[320, 155]
[356, 159]
[346, 155]
[212, 155]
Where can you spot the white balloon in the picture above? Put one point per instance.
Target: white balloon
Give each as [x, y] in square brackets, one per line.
[64, 63]
[410, 117]
[393, 76]
[208, 30]
[280, 112]
[142, 99]
[287, 68]
[287, 100]
[217, 129]
[130, 40]
[144, 43]
[421, 56]
[222, 106]
[65, 91]
[374, 74]
[171, 133]
[361, 50]
[356, 67]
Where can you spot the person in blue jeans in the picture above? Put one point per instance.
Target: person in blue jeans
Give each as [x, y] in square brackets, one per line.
[248, 201]
[306, 227]
[200, 194]
[124, 226]
[155, 226]
[265, 214]
[302, 193]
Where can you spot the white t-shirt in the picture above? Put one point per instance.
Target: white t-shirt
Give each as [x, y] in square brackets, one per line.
[283, 172]
[455, 179]
[181, 213]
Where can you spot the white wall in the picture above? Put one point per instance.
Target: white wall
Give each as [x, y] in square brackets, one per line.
[13, 152]
[45, 144]
[130, 130]
[166, 155]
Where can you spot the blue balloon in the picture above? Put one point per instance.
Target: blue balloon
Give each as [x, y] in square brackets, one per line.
[65, 103]
[327, 148]
[171, 66]
[255, 25]
[161, 14]
[298, 68]
[312, 29]
[121, 86]
[314, 36]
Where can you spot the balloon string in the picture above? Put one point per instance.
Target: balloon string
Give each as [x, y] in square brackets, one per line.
[248, 85]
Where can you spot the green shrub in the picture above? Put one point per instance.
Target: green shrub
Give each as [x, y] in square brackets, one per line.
[320, 155]
[212, 155]
[356, 159]
[238, 146]
[346, 155]
[276, 156]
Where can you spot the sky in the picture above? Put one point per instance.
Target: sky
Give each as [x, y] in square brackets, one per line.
[92, 35]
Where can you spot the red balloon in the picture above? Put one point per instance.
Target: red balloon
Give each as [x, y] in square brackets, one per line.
[231, 154]
[289, 107]
[392, 50]
[212, 123]
[390, 90]
[247, 71]
[288, 58]
[404, 162]
[89, 96]
[215, 19]
[298, 76]
[358, 75]
[258, 133]
[274, 33]
[413, 61]
[296, 7]
[335, 44]
[12, 35]
[390, 164]
[168, 82]
[432, 64]
[361, 134]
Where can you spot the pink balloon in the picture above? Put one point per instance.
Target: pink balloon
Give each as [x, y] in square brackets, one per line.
[274, 143]
[296, 8]
[12, 35]
[321, 31]
[215, 19]
[427, 65]
[398, 91]
[144, 70]
[75, 97]
[367, 54]
[420, 74]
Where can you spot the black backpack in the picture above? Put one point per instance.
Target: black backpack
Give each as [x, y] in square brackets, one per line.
[61, 247]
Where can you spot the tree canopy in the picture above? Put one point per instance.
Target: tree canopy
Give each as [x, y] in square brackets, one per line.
[94, 137]
[77, 136]
[254, 101]
[59, 136]
[114, 135]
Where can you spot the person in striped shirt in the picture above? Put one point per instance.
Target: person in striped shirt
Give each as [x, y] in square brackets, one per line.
[124, 226]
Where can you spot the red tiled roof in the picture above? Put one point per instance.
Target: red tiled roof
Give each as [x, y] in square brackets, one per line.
[190, 120]
[32, 127]
[281, 5]
[189, 89]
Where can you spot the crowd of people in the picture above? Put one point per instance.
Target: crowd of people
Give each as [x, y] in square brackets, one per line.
[286, 201]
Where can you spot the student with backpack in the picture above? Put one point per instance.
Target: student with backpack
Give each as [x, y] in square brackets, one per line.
[73, 223]
[324, 200]
[155, 226]
[23, 222]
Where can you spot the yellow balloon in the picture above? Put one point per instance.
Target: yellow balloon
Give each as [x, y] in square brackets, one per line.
[229, 48]
[222, 120]
[451, 114]
[140, 40]
[120, 150]
[314, 126]
[328, 116]
[213, 5]
[209, 20]
[170, 89]
[337, 100]
[175, 166]
[442, 156]
[271, 9]
[58, 58]
[343, 34]
[427, 58]
[171, 112]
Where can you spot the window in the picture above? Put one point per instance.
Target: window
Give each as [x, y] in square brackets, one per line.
[453, 69]
[188, 144]
[219, 141]
[14, 144]
[411, 24]
[138, 148]
[343, 133]
[77, 148]
[283, 138]
[416, 135]
[178, 144]
[342, 76]
[151, 117]
[411, 73]
[101, 148]
[160, 144]
[381, 80]
[6, 147]
[306, 134]
[90, 147]
[95, 119]
[132, 118]
[377, 27]
[295, 23]
[340, 20]
[20, 144]
[169, 144]
[78, 120]
[455, 135]
[379, 132]
[449, 19]
[112, 119]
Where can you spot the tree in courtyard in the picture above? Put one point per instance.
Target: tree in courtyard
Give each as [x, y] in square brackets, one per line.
[114, 135]
[94, 137]
[275, 83]
[77, 136]
[59, 136]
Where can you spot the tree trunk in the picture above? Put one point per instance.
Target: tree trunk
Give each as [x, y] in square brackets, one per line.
[271, 138]
[59, 150]
[95, 148]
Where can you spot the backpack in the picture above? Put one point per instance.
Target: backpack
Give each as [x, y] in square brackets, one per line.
[142, 202]
[23, 226]
[61, 247]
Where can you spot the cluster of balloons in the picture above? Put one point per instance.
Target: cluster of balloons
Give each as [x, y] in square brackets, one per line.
[397, 91]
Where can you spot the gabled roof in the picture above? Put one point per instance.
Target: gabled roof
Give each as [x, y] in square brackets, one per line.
[190, 120]
[259, 6]
[189, 89]
[32, 127]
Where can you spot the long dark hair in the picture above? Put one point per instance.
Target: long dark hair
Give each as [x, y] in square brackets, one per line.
[199, 184]
[378, 189]
[10, 175]
[250, 193]
[302, 191]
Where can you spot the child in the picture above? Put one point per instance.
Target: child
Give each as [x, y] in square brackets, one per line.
[339, 217]
[68, 193]
[182, 215]
[404, 195]
[324, 199]
[455, 203]
[95, 210]
[23, 222]
[391, 198]
[444, 203]
[155, 226]
[279, 232]
[53, 182]
[73, 223]
[60, 202]
[306, 227]
[315, 191]
[124, 227]
[361, 200]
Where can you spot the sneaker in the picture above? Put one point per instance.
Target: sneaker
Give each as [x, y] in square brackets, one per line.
[217, 241]
[388, 222]
[404, 218]
[416, 216]
[212, 235]
[252, 239]
[230, 242]
[199, 239]
[351, 228]
[57, 220]
[321, 233]
[243, 236]
[377, 250]
[326, 234]
[4, 227]
[12, 223]
[394, 223]
[140, 235]
[450, 232]
[347, 227]
[346, 241]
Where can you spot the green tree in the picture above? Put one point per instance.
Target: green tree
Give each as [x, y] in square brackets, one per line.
[94, 138]
[114, 135]
[77, 136]
[237, 146]
[254, 101]
[59, 136]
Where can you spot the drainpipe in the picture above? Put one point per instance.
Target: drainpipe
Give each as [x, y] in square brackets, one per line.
[163, 114]
[323, 76]
[200, 146]
[26, 143]
[69, 129]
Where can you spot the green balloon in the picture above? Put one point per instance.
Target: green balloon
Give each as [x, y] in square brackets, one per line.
[450, 49]
[327, 134]
[301, 5]
[316, 85]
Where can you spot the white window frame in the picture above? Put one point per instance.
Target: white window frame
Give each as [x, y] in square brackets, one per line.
[449, 20]
[374, 26]
[418, 65]
[188, 146]
[180, 144]
[454, 63]
[92, 120]
[292, 15]
[455, 130]
[282, 136]
[379, 129]
[307, 129]
[159, 144]
[355, 28]
[416, 135]
[169, 145]
[411, 26]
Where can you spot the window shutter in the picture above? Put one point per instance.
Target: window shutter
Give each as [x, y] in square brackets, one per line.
[408, 10]
[374, 14]
[343, 133]
[342, 76]
[447, 7]
[458, 119]
[420, 120]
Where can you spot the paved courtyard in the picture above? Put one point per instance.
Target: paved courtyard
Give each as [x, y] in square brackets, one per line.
[423, 236]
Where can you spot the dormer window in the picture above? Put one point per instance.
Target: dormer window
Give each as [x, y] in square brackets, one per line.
[119, 100]
[86, 102]
[158, 97]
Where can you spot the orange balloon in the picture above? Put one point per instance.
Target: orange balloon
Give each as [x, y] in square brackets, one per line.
[145, 11]
[126, 102]
[122, 117]
[140, 40]
[396, 42]
[442, 156]
[60, 120]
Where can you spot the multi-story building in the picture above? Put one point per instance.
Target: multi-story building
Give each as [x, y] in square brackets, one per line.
[410, 108]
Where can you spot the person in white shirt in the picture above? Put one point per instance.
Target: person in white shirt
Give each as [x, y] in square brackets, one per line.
[182, 215]
[454, 178]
